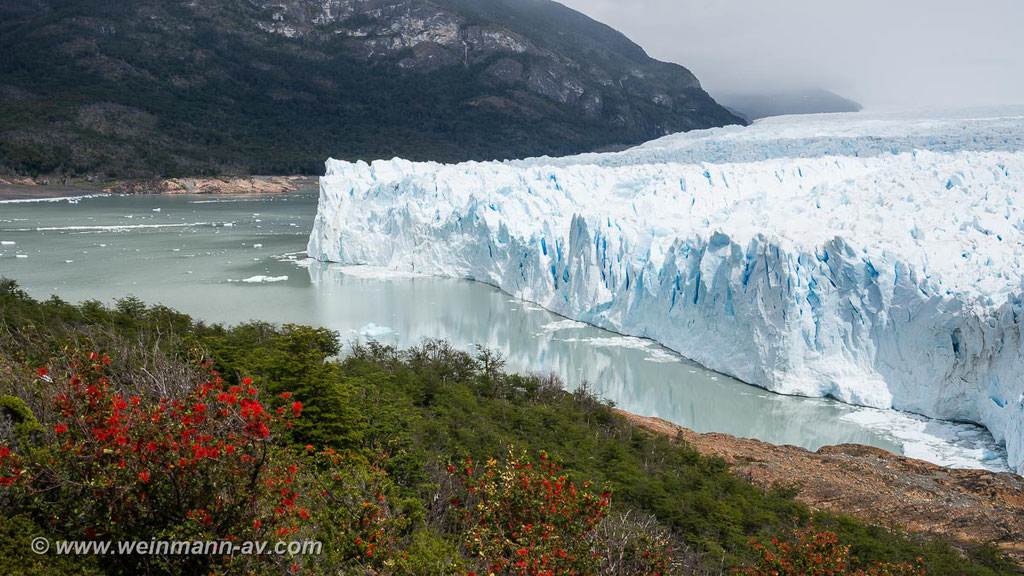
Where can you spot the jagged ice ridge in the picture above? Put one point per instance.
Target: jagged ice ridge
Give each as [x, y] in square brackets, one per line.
[873, 259]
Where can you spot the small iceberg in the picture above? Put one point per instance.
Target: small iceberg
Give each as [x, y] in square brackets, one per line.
[264, 279]
[374, 331]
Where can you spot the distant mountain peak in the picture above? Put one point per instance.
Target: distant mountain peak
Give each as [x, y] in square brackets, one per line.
[754, 105]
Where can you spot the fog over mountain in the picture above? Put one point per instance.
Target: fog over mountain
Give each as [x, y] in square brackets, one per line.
[884, 54]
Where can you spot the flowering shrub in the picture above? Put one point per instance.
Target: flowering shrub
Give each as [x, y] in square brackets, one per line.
[523, 519]
[357, 512]
[814, 553]
[197, 467]
[10, 470]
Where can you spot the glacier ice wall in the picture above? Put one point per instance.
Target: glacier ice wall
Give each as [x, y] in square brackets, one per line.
[886, 279]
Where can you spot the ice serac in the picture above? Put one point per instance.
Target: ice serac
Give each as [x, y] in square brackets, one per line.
[876, 260]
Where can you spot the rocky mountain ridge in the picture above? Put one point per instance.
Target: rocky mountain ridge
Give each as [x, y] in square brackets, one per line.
[191, 87]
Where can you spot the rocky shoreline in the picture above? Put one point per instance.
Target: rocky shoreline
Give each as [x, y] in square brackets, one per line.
[222, 185]
[964, 506]
[22, 188]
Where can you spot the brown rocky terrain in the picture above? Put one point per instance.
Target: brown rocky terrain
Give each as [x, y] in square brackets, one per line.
[224, 185]
[18, 188]
[964, 506]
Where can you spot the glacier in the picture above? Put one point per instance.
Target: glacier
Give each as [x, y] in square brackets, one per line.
[874, 259]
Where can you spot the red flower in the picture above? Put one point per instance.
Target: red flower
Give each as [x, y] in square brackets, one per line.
[297, 408]
[60, 429]
[144, 476]
[247, 381]
[42, 372]
[286, 395]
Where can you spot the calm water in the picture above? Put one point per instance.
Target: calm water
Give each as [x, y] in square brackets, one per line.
[196, 253]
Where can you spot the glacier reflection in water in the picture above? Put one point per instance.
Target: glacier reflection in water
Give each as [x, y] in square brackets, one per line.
[638, 375]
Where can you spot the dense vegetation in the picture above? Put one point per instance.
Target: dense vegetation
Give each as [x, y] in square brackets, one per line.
[138, 422]
[148, 87]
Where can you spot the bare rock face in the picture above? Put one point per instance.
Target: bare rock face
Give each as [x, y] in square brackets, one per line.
[427, 35]
[966, 506]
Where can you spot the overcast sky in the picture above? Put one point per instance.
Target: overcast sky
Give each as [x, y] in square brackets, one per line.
[883, 53]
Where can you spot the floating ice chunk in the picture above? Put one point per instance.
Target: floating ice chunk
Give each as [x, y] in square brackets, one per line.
[946, 443]
[264, 279]
[614, 342]
[68, 199]
[661, 355]
[561, 325]
[118, 228]
[377, 273]
[372, 330]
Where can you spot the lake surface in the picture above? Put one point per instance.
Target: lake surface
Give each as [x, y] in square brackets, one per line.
[233, 259]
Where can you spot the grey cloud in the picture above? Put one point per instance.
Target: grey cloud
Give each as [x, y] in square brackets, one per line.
[884, 53]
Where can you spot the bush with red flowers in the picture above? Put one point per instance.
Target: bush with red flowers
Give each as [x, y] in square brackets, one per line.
[356, 507]
[817, 553]
[201, 466]
[523, 519]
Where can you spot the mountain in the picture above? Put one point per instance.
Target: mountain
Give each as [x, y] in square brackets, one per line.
[751, 107]
[189, 87]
